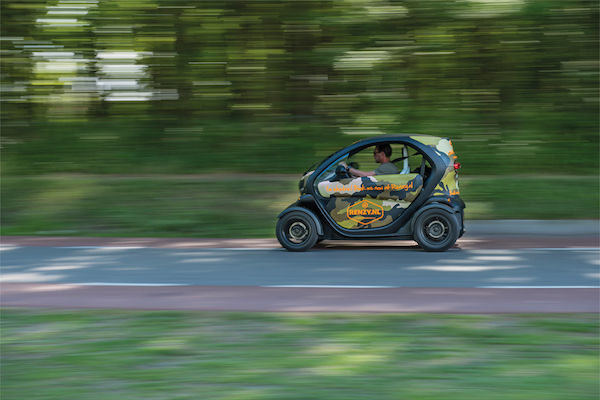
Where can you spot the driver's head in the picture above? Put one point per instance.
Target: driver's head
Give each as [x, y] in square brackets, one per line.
[382, 152]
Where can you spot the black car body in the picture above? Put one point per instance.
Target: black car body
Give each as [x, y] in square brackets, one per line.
[421, 202]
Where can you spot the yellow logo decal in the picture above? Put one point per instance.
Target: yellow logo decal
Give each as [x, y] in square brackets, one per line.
[364, 212]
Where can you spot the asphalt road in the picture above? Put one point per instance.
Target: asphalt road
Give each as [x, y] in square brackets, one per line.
[330, 267]
[497, 274]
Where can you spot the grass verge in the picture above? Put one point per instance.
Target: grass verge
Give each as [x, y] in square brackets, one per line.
[191, 355]
[242, 205]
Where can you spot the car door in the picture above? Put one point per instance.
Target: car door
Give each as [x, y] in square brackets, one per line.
[367, 202]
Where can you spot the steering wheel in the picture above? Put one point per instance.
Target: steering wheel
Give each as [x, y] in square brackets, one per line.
[342, 173]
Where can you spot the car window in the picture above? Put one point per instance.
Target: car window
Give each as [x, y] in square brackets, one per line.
[367, 162]
[416, 161]
[329, 174]
[364, 159]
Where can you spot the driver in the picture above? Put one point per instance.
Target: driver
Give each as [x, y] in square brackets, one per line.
[382, 154]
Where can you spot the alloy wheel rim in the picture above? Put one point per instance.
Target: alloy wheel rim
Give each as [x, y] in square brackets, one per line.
[298, 232]
[436, 229]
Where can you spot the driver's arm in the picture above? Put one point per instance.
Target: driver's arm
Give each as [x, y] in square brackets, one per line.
[358, 172]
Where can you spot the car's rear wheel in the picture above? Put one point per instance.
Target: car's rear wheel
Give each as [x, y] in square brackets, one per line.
[436, 230]
[296, 231]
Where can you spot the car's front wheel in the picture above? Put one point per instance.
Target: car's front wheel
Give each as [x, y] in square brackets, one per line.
[296, 231]
[436, 230]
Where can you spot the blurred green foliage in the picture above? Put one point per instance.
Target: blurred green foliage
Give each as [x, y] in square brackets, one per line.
[271, 86]
[230, 205]
[189, 355]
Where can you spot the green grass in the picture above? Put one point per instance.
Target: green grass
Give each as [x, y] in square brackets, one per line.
[213, 206]
[192, 355]
[531, 197]
[230, 205]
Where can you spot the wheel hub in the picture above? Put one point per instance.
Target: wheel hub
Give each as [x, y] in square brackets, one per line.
[436, 229]
[298, 232]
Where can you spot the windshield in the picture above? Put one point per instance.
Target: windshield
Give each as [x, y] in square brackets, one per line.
[314, 165]
[311, 168]
[329, 174]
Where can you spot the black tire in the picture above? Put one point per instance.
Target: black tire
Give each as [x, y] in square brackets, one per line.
[296, 231]
[436, 230]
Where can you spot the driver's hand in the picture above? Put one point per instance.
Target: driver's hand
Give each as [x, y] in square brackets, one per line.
[343, 164]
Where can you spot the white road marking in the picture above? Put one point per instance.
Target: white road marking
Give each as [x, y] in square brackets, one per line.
[9, 246]
[94, 247]
[244, 248]
[564, 249]
[332, 286]
[432, 287]
[480, 251]
[465, 268]
[538, 287]
[126, 284]
[165, 248]
[140, 284]
[5, 247]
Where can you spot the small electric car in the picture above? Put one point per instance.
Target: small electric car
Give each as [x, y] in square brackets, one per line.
[421, 202]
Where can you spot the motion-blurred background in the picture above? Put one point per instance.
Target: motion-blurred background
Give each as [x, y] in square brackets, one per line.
[187, 118]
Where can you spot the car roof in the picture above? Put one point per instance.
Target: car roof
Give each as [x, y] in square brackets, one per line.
[392, 136]
[410, 137]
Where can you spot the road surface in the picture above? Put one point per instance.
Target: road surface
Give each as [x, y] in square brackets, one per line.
[481, 275]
